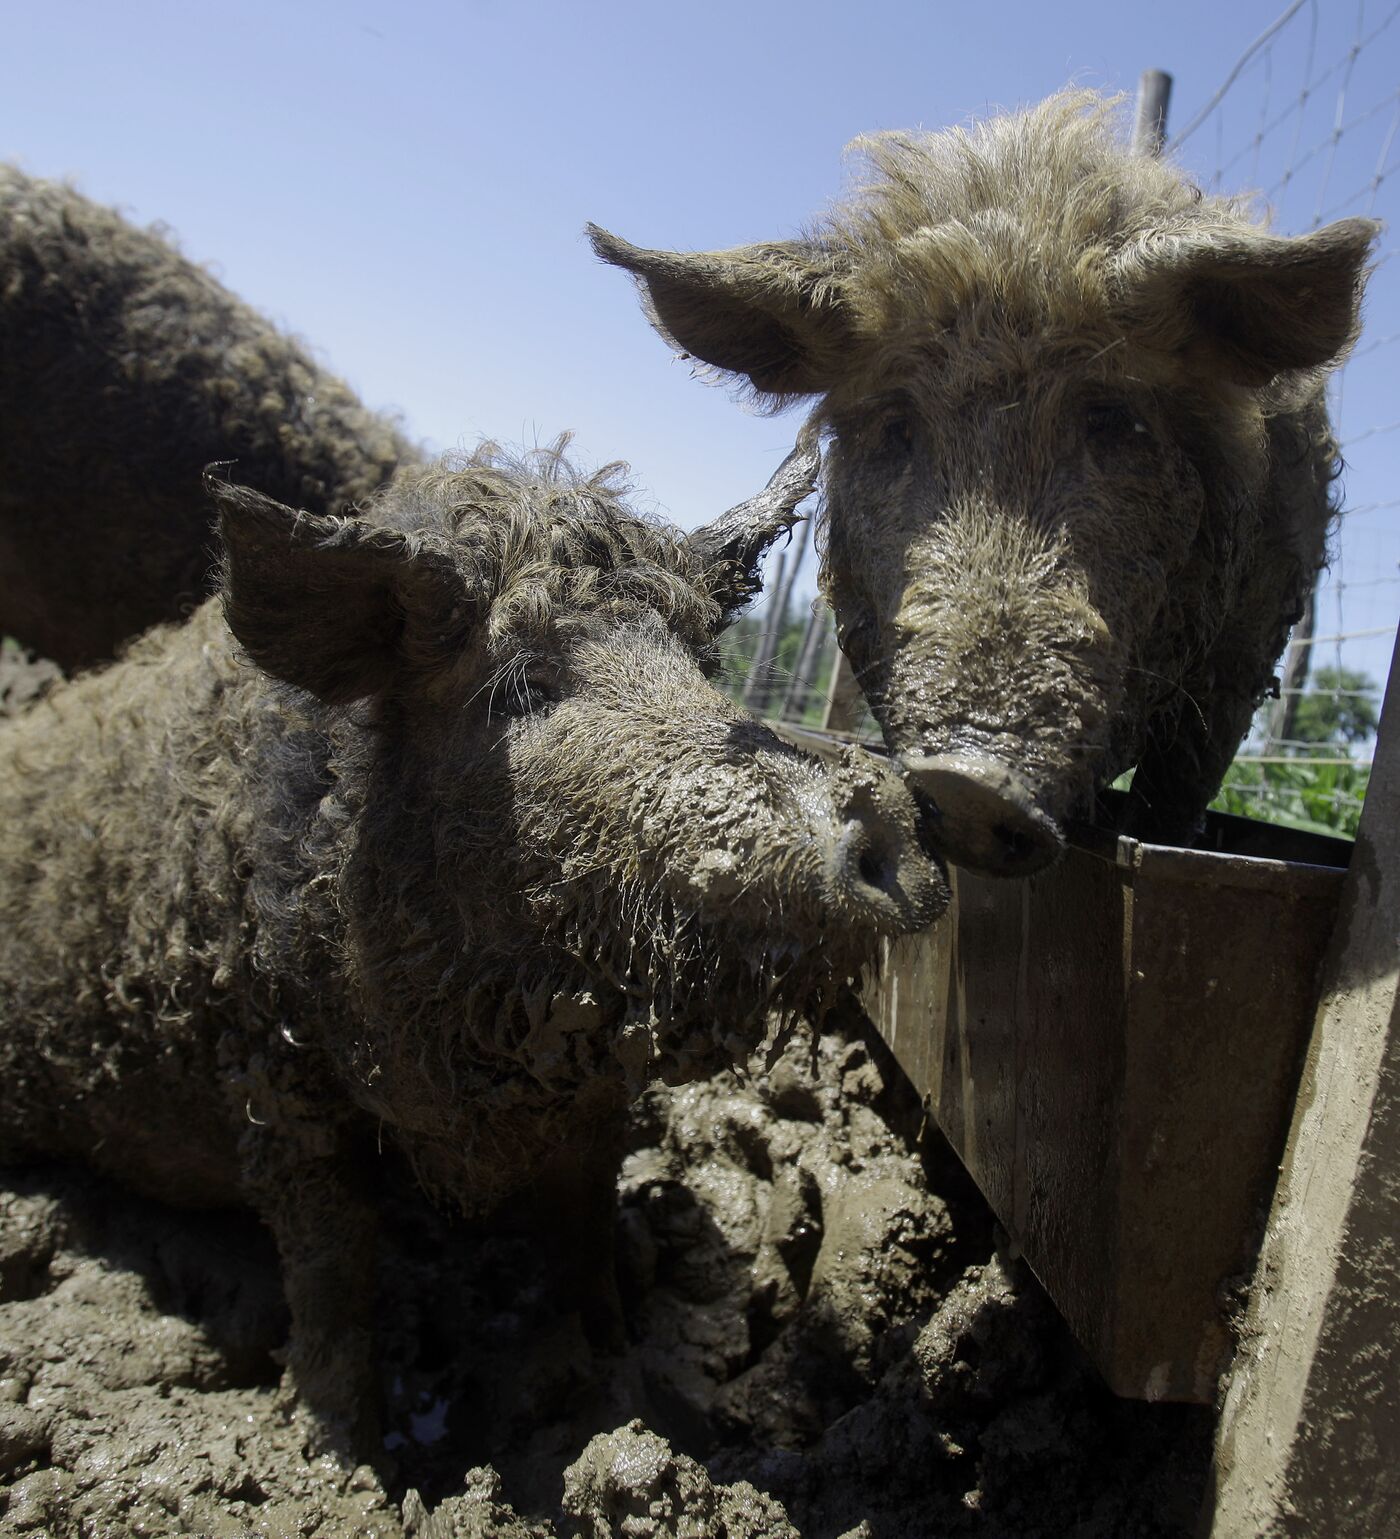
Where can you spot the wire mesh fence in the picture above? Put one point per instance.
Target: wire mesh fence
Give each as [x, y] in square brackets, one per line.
[1308, 120]
[1308, 117]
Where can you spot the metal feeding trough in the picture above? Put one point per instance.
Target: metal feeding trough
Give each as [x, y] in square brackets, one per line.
[1112, 1048]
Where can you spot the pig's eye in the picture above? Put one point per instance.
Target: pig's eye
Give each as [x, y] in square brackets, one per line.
[525, 694]
[898, 433]
[1115, 422]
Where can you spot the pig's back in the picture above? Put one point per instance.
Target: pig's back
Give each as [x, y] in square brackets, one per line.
[123, 922]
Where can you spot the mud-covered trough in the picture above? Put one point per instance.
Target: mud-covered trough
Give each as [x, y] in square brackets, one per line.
[1113, 1049]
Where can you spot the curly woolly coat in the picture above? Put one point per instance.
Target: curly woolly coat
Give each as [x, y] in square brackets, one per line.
[125, 369]
[471, 855]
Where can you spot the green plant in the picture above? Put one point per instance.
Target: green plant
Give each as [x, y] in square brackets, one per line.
[1321, 796]
[1310, 780]
[1339, 707]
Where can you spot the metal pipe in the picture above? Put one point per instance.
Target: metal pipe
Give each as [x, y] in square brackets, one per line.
[1150, 127]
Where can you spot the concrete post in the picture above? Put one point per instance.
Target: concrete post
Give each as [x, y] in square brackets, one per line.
[1309, 1440]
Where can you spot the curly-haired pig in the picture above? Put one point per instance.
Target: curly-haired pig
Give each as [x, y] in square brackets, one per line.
[125, 368]
[1081, 467]
[430, 833]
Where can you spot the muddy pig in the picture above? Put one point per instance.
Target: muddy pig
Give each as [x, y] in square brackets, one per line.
[124, 370]
[1080, 468]
[432, 832]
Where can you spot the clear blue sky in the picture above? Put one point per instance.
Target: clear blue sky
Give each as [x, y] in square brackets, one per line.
[404, 185]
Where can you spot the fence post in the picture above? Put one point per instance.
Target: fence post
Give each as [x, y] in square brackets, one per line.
[1309, 1439]
[1293, 675]
[755, 694]
[799, 685]
[758, 687]
[784, 594]
[844, 699]
[1150, 125]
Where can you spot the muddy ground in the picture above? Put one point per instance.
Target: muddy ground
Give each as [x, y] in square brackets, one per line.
[820, 1341]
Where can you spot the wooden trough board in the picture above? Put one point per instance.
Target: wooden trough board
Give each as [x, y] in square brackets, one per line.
[1112, 1048]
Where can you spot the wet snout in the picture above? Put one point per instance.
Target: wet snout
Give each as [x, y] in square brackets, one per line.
[983, 815]
[875, 871]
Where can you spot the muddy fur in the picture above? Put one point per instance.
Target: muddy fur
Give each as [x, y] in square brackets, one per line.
[1081, 467]
[814, 1314]
[124, 370]
[456, 870]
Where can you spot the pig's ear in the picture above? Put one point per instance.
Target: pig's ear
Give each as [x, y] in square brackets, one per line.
[1260, 304]
[334, 605]
[733, 546]
[772, 314]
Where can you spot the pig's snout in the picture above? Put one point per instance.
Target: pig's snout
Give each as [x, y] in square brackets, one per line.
[875, 870]
[984, 816]
[864, 875]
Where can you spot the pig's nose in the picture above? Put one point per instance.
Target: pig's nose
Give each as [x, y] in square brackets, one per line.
[983, 814]
[879, 876]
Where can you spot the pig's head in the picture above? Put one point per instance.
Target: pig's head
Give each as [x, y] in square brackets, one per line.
[1047, 372]
[567, 855]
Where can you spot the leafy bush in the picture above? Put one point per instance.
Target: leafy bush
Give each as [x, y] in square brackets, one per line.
[1311, 780]
[1340, 706]
[1322, 797]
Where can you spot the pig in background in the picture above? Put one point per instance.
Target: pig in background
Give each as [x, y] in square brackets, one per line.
[124, 370]
[442, 842]
[1080, 470]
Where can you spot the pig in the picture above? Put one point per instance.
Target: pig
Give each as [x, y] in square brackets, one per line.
[125, 368]
[430, 834]
[1080, 472]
